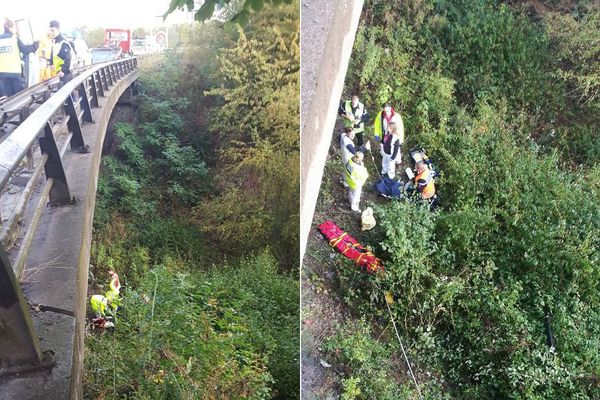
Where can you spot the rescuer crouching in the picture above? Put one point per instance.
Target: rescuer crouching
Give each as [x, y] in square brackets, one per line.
[105, 306]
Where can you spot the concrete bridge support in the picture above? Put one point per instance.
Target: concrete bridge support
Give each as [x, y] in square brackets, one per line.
[328, 29]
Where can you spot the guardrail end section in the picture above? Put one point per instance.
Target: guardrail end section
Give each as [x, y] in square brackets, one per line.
[19, 345]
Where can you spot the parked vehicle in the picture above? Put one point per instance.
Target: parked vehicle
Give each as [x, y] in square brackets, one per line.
[31, 62]
[102, 54]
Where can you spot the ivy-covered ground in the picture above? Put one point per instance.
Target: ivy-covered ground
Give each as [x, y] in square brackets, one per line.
[504, 96]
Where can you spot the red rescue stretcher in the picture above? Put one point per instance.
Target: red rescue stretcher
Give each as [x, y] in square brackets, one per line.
[350, 248]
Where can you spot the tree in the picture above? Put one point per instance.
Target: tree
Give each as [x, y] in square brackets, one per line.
[210, 8]
[139, 33]
[258, 132]
[94, 37]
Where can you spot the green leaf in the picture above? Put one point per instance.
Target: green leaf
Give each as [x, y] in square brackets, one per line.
[241, 18]
[206, 11]
[257, 5]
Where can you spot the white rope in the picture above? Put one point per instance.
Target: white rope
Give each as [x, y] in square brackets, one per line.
[403, 351]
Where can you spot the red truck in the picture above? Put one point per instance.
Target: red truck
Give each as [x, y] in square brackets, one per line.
[118, 38]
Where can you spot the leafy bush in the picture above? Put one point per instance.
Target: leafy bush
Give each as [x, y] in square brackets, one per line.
[195, 325]
[226, 334]
[255, 200]
[517, 235]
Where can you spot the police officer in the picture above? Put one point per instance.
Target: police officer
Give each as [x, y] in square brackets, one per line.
[60, 57]
[11, 69]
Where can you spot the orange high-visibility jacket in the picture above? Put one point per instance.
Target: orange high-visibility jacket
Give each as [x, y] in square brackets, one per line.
[424, 183]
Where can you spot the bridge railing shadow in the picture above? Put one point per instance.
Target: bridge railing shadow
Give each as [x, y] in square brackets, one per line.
[39, 127]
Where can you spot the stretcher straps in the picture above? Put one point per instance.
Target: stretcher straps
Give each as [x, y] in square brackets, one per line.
[333, 242]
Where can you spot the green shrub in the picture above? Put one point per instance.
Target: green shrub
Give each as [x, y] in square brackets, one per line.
[226, 334]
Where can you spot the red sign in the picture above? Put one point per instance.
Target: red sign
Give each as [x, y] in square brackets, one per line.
[117, 38]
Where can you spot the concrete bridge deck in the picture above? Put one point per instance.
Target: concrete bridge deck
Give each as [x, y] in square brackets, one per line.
[56, 268]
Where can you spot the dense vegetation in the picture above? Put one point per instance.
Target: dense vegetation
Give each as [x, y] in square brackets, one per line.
[197, 210]
[505, 98]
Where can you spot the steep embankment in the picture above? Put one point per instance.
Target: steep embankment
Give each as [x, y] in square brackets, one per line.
[210, 301]
[506, 104]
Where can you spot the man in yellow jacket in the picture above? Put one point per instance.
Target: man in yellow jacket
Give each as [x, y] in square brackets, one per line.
[11, 70]
[356, 176]
[383, 120]
[354, 115]
[60, 55]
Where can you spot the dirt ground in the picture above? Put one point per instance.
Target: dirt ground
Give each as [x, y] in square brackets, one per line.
[322, 306]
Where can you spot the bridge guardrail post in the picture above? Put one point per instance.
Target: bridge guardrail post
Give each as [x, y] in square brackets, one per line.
[19, 344]
[59, 193]
[103, 79]
[85, 104]
[95, 92]
[73, 124]
[109, 76]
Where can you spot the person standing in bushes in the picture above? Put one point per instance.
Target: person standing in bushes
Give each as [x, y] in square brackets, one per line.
[347, 144]
[347, 148]
[391, 152]
[382, 122]
[354, 115]
[356, 176]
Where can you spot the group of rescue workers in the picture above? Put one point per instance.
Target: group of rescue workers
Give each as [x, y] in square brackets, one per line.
[388, 132]
[54, 52]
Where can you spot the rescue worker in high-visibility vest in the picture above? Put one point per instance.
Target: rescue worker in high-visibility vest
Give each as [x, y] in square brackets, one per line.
[44, 53]
[60, 56]
[115, 285]
[114, 289]
[356, 176]
[101, 305]
[390, 149]
[382, 121]
[354, 115]
[424, 183]
[11, 68]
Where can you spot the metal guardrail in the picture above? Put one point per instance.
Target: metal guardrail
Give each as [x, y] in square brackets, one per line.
[29, 99]
[64, 111]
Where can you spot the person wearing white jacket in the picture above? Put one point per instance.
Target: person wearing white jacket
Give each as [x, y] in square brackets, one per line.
[347, 144]
[390, 151]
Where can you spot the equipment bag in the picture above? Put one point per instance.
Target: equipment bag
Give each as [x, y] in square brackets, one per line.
[389, 187]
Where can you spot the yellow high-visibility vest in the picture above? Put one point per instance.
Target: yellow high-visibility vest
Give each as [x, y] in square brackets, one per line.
[356, 174]
[56, 60]
[360, 110]
[98, 304]
[10, 57]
